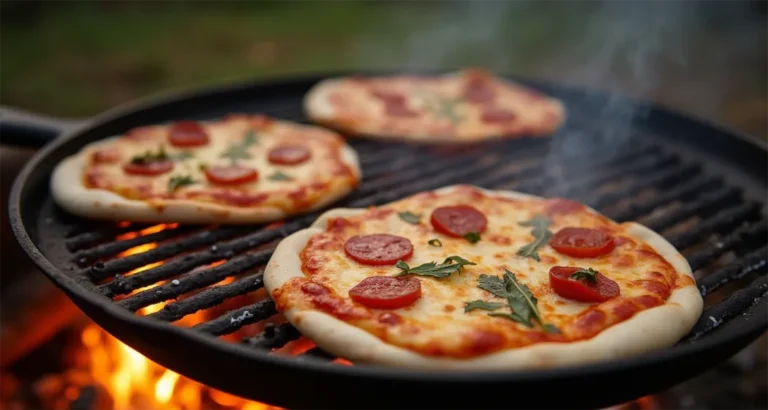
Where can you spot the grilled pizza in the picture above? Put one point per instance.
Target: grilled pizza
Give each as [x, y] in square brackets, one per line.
[465, 106]
[241, 169]
[467, 278]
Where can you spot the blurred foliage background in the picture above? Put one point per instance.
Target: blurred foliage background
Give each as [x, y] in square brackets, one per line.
[74, 59]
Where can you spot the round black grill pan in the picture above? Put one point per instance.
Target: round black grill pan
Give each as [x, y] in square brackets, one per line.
[702, 186]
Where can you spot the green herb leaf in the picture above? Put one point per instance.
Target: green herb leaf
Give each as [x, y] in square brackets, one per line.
[481, 304]
[435, 243]
[150, 156]
[472, 237]
[240, 150]
[202, 166]
[549, 328]
[280, 176]
[540, 234]
[493, 284]
[442, 107]
[178, 181]
[410, 217]
[519, 298]
[450, 265]
[589, 275]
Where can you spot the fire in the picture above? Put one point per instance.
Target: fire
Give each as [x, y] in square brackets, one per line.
[133, 381]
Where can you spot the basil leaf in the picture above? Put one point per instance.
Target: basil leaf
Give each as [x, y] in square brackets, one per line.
[410, 217]
[178, 181]
[451, 265]
[435, 243]
[481, 304]
[239, 150]
[549, 328]
[150, 156]
[280, 176]
[472, 237]
[540, 234]
[493, 284]
[589, 275]
[183, 155]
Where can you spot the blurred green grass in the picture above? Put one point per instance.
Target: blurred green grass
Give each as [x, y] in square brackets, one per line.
[80, 58]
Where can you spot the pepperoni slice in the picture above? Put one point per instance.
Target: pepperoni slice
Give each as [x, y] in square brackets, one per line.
[478, 91]
[386, 292]
[148, 168]
[582, 242]
[106, 156]
[458, 220]
[378, 249]
[497, 116]
[231, 175]
[389, 97]
[187, 134]
[563, 206]
[582, 289]
[288, 155]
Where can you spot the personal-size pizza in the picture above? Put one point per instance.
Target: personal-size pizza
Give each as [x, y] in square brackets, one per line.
[467, 278]
[466, 106]
[241, 169]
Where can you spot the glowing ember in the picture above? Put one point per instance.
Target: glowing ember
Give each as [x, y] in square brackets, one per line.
[133, 381]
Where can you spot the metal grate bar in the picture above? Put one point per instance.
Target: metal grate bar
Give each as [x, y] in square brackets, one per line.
[230, 322]
[735, 304]
[185, 284]
[703, 207]
[753, 263]
[209, 297]
[273, 336]
[663, 180]
[739, 236]
[113, 248]
[112, 267]
[724, 221]
[652, 165]
[690, 190]
[86, 239]
[593, 180]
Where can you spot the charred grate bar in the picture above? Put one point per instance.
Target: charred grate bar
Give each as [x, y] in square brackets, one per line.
[601, 177]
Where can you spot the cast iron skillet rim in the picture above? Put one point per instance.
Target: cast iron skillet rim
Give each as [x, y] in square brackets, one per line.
[751, 327]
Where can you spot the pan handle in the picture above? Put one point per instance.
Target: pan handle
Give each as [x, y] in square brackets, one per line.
[25, 129]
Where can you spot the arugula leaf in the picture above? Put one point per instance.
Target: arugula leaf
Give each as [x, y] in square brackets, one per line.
[550, 328]
[472, 237]
[436, 243]
[540, 233]
[493, 284]
[150, 156]
[481, 304]
[450, 265]
[240, 150]
[519, 298]
[410, 217]
[589, 275]
[280, 176]
[178, 181]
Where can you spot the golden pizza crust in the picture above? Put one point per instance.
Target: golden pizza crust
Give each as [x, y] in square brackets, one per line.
[70, 193]
[318, 107]
[648, 330]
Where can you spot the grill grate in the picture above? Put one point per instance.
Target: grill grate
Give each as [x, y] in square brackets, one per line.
[721, 234]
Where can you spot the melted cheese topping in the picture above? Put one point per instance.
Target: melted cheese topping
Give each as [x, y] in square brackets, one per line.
[437, 324]
[442, 110]
[325, 171]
